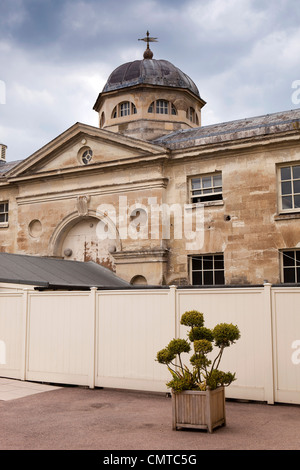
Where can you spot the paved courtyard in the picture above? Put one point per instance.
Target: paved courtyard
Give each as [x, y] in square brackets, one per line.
[40, 417]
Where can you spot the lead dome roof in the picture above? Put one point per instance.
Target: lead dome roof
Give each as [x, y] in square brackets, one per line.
[149, 72]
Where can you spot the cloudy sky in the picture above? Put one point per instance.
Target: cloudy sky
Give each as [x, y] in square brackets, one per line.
[56, 55]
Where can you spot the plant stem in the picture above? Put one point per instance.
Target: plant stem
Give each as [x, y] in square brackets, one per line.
[180, 361]
[217, 358]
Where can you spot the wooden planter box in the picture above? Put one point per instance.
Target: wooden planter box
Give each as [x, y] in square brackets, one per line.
[199, 410]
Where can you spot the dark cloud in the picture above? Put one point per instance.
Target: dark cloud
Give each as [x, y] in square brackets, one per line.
[40, 24]
[57, 54]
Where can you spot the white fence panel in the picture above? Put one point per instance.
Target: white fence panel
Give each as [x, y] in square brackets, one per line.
[131, 327]
[110, 338]
[60, 337]
[286, 324]
[12, 335]
[250, 356]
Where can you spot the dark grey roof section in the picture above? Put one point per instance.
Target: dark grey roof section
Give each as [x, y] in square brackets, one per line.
[150, 72]
[56, 273]
[6, 166]
[238, 129]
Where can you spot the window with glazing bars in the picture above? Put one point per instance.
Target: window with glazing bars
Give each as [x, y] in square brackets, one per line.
[290, 266]
[192, 115]
[162, 107]
[3, 212]
[206, 188]
[290, 187]
[207, 269]
[124, 109]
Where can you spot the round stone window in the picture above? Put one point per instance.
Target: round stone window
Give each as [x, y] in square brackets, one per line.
[87, 156]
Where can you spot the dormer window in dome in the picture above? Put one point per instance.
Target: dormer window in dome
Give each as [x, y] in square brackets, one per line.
[192, 116]
[126, 108]
[162, 107]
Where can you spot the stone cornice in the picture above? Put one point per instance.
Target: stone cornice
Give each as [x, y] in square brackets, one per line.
[94, 168]
[145, 184]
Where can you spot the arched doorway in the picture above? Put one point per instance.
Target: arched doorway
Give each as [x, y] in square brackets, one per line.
[77, 238]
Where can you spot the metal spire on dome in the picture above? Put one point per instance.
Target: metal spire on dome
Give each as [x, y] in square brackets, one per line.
[148, 54]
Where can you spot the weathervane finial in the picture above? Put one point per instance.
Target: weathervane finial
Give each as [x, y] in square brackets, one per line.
[148, 54]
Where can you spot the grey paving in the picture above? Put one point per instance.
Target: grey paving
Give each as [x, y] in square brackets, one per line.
[78, 418]
[11, 389]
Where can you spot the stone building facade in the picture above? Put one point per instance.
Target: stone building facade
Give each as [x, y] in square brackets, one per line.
[157, 197]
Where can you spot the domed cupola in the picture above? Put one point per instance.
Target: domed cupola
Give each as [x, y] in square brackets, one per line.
[149, 98]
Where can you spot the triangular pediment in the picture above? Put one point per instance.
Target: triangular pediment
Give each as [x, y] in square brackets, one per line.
[65, 152]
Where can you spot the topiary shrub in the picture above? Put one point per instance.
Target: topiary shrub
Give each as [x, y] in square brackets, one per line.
[204, 372]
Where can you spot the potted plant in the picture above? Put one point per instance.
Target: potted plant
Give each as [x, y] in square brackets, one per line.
[198, 395]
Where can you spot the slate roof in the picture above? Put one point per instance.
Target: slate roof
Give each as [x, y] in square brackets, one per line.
[56, 273]
[232, 130]
[6, 166]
